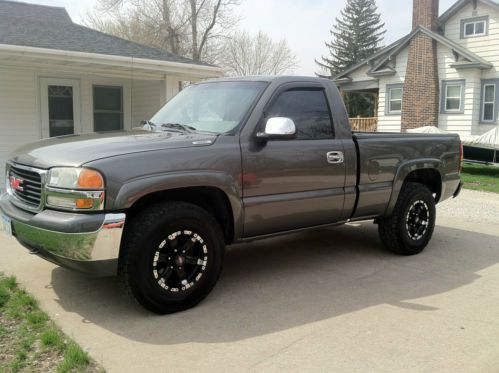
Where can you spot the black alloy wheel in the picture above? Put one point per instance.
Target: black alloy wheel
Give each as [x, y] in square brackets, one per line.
[180, 261]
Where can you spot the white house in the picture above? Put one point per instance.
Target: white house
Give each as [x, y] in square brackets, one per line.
[58, 77]
[444, 73]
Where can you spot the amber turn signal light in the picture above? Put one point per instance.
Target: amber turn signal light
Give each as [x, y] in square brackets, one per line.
[84, 203]
[90, 179]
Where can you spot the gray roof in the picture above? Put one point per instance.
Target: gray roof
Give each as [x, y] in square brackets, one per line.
[371, 59]
[40, 26]
[459, 4]
[471, 58]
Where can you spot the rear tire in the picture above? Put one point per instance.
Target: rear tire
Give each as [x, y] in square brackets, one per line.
[411, 226]
[172, 256]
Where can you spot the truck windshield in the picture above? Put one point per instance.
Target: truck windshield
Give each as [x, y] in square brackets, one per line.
[217, 107]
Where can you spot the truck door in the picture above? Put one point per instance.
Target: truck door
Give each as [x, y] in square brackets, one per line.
[294, 183]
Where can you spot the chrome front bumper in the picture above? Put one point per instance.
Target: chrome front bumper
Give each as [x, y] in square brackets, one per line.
[87, 243]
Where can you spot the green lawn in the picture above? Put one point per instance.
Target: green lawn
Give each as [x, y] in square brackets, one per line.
[30, 341]
[481, 177]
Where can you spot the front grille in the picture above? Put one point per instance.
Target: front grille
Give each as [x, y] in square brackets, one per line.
[29, 190]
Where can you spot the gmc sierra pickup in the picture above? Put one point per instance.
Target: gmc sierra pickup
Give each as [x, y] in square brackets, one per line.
[223, 162]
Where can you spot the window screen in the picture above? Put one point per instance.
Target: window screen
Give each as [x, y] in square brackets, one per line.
[61, 116]
[309, 109]
[108, 108]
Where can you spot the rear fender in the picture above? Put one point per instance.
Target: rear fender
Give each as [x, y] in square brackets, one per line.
[403, 171]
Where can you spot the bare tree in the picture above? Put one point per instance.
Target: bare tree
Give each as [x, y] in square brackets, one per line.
[257, 55]
[185, 27]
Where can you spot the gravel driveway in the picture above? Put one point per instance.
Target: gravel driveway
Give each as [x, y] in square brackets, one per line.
[330, 300]
[474, 206]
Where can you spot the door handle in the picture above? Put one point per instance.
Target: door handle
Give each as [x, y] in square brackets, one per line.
[335, 157]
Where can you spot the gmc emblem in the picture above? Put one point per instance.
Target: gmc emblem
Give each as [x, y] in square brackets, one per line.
[16, 184]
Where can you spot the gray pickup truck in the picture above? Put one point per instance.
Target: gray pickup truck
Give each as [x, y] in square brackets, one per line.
[225, 161]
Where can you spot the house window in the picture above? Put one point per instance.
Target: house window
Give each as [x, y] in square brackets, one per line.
[108, 108]
[394, 94]
[474, 27]
[489, 101]
[453, 96]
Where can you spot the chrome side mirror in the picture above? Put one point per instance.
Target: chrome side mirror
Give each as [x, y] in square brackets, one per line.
[278, 128]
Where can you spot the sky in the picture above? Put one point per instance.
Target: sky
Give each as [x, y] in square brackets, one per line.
[305, 24]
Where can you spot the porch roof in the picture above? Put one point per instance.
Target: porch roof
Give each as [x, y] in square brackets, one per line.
[362, 86]
[100, 64]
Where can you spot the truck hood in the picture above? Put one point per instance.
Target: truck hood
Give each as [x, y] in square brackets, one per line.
[76, 150]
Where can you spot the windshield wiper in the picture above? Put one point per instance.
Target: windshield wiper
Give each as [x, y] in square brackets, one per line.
[178, 126]
[145, 123]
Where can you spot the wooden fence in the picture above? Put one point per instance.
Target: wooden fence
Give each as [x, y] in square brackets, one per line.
[364, 124]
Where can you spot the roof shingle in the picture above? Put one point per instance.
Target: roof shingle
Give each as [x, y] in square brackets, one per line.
[48, 27]
[11, 9]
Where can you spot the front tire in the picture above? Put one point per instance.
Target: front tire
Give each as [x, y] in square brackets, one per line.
[410, 228]
[172, 256]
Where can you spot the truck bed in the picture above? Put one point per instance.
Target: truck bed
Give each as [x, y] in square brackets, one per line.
[381, 156]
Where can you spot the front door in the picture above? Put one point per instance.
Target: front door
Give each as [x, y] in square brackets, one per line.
[60, 107]
[292, 184]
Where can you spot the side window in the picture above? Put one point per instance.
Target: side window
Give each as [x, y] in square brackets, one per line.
[309, 110]
[394, 99]
[489, 101]
[453, 94]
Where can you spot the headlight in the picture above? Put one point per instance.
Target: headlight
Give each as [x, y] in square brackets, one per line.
[75, 178]
[75, 189]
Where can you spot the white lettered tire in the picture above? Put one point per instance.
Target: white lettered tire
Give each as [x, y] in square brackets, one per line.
[410, 227]
[172, 256]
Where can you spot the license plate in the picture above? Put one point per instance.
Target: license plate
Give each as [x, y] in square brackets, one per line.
[6, 226]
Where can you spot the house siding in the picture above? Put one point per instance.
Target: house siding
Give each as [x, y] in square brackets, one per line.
[486, 47]
[391, 123]
[361, 74]
[462, 123]
[146, 100]
[19, 122]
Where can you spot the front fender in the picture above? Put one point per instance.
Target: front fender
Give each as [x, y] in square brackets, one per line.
[135, 189]
[404, 170]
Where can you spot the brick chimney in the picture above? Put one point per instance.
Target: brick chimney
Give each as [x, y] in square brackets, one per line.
[420, 105]
[425, 13]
